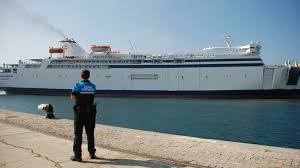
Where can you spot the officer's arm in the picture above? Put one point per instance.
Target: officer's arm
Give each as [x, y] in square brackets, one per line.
[75, 91]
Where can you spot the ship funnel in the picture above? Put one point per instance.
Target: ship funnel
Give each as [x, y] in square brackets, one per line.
[72, 49]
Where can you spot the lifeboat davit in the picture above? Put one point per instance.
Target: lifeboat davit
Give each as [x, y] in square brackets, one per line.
[55, 50]
[100, 48]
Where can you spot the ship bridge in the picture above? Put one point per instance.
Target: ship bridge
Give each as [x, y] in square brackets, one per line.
[251, 49]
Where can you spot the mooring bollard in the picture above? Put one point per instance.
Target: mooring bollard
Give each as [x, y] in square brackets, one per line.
[48, 108]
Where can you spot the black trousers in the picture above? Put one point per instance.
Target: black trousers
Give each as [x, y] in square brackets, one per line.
[88, 121]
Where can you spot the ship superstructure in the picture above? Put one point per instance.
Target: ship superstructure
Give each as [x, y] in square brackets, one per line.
[213, 72]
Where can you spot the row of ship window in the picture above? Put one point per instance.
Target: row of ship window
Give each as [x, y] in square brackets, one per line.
[33, 66]
[115, 61]
[76, 66]
[8, 70]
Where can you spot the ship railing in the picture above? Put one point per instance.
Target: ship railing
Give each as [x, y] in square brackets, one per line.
[32, 61]
[8, 66]
[191, 55]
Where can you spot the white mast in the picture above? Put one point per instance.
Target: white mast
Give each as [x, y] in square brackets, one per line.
[227, 39]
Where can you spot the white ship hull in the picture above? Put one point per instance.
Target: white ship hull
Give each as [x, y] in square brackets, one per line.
[231, 76]
[236, 81]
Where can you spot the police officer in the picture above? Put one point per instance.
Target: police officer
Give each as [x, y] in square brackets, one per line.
[84, 115]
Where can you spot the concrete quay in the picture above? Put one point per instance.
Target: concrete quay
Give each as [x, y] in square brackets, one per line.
[26, 148]
[147, 149]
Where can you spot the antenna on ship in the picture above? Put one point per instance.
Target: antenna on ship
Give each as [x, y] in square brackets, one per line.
[136, 50]
[227, 39]
[131, 47]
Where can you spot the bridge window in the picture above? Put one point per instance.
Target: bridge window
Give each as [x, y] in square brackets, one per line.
[5, 71]
[32, 66]
[156, 61]
[178, 60]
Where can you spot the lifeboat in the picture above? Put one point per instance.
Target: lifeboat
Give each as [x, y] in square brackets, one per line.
[55, 50]
[100, 48]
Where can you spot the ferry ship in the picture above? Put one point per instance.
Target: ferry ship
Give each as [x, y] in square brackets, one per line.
[214, 72]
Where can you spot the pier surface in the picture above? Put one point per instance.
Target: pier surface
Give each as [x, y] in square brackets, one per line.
[47, 143]
[25, 148]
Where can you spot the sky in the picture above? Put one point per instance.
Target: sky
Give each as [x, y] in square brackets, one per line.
[29, 27]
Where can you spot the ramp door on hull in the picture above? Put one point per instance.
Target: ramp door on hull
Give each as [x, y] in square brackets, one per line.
[268, 78]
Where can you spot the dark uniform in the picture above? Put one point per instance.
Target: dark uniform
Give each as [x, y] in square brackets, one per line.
[84, 115]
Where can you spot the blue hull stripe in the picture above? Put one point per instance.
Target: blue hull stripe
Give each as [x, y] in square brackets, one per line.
[186, 65]
[278, 93]
[224, 60]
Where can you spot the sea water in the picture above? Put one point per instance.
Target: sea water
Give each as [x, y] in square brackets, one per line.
[266, 122]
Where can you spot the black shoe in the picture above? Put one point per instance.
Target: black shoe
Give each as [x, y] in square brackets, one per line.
[93, 156]
[75, 158]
